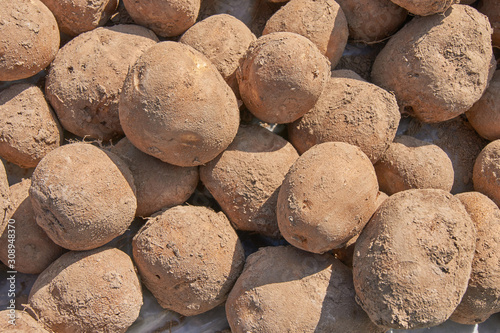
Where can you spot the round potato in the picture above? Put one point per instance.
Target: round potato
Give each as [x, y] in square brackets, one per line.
[83, 196]
[491, 8]
[425, 7]
[486, 171]
[23, 322]
[246, 177]
[88, 291]
[323, 22]
[29, 38]
[87, 75]
[189, 258]
[434, 74]
[413, 260]
[327, 197]
[176, 106]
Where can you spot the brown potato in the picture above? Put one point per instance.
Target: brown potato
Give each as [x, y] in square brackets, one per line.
[425, 7]
[435, 75]
[413, 260]
[246, 177]
[176, 106]
[189, 258]
[29, 38]
[87, 75]
[327, 197]
[83, 196]
[486, 171]
[491, 8]
[88, 291]
[22, 322]
[321, 21]
[4, 198]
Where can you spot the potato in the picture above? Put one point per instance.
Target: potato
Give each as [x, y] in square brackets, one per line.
[486, 171]
[176, 106]
[323, 22]
[4, 198]
[491, 8]
[34, 249]
[158, 184]
[410, 163]
[77, 16]
[23, 322]
[482, 298]
[88, 291]
[87, 75]
[224, 40]
[82, 196]
[434, 74]
[327, 197]
[282, 77]
[283, 289]
[413, 260]
[167, 18]
[246, 177]
[189, 258]
[484, 115]
[372, 21]
[352, 111]
[29, 38]
[425, 7]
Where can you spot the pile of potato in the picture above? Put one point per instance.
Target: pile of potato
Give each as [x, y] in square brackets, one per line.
[385, 190]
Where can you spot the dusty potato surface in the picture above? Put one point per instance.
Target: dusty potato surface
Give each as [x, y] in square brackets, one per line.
[349, 110]
[438, 66]
[413, 260]
[176, 106]
[246, 177]
[282, 77]
[425, 7]
[88, 291]
[327, 197]
[491, 8]
[83, 196]
[4, 197]
[24, 322]
[86, 78]
[323, 22]
[189, 258]
[482, 298]
[29, 38]
[486, 171]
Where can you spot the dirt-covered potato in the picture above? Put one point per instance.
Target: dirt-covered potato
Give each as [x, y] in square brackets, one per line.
[374, 20]
[482, 298]
[224, 40]
[413, 260]
[487, 170]
[88, 291]
[176, 106]
[83, 196]
[327, 197]
[246, 177]
[284, 289]
[4, 197]
[167, 18]
[349, 110]
[29, 129]
[438, 66]
[410, 163]
[282, 77]
[189, 258]
[425, 7]
[491, 8]
[77, 16]
[17, 321]
[87, 75]
[29, 38]
[484, 115]
[158, 184]
[34, 249]
[321, 21]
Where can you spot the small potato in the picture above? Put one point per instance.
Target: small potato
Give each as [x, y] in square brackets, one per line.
[29, 38]
[425, 7]
[327, 197]
[83, 196]
[410, 163]
[491, 8]
[17, 321]
[176, 106]
[282, 77]
[87, 75]
[88, 291]
[487, 170]
[321, 21]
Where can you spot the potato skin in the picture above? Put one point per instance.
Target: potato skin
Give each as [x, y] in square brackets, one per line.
[486, 171]
[491, 8]
[176, 106]
[434, 76]
[24, 323]
[29, 39]
[4, 198]
[413, 260]
[425, 7]
[88, 291]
